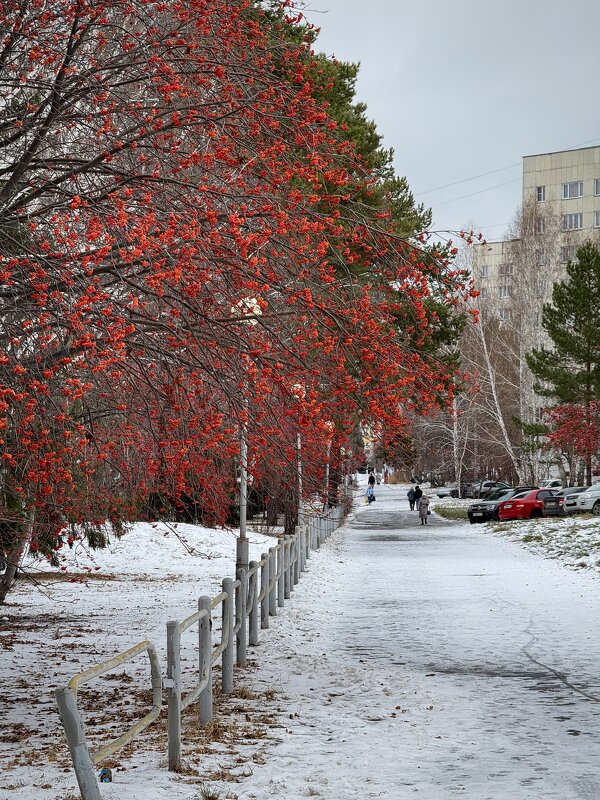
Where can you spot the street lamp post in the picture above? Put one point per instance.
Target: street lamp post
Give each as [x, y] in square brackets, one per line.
[299, 392]
[250, 308]
[242, 559]
[330, 427]
[300, 503]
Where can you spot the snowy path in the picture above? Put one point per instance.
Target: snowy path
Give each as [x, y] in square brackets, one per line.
[441, 662]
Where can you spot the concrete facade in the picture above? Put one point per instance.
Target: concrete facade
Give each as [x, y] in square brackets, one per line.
[561, 210]
[569, 183]
[515, 277]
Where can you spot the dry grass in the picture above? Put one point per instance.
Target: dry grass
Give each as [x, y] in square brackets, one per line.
[64, 577]
[451, 512]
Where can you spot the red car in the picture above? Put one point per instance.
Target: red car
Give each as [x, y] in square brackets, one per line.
[525, 505]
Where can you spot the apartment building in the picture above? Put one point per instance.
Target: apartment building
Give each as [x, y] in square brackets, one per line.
[561, 210]
[568, 184]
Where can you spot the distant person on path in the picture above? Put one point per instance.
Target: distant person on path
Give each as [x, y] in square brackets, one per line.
[423, 509]
[411, 498]
[418, 495]
[370, 494]
[371, 479]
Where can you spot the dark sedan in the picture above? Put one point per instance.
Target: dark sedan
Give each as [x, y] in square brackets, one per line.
[554, 506]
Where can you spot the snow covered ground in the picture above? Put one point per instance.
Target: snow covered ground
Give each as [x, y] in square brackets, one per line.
[442, 662]
[574, 539]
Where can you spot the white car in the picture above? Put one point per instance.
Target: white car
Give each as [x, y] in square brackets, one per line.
[551, 483]
[589, 500]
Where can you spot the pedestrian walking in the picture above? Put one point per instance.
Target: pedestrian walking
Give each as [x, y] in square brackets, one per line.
[411, 498]
[423, 509]
[418, 495]
[370, 494]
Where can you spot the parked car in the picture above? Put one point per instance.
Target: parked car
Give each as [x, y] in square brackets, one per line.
[571, 495]
[589, 500]
[551, 483]
[487, 487]
[483, 489]
[487, 509]
[447, 491]
[525, 505]
[554, 506]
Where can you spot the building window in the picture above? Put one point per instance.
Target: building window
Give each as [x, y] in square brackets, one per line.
[540, 193]
[504, 314]
[597, 187]
[596, 219]
[505, 269]
[483, 292]
[483, 270]
[567, 252]
[571, 190]
[504, 291]
[539, 225]
[540, 257]
[572, 222]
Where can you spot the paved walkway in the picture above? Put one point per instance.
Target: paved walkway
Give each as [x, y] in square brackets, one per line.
[441, 662]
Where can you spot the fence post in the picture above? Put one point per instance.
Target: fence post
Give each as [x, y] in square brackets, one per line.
[281, 573]
[290, 577]
[296, 540]
[301, 535]
[300, 541]
[173, 684]
[286, 567]
[205, 701]
[253, 591]
[307, 535]
[264, 590]
[82, 761]
[227, 631]
[272, 583]
[240, 617]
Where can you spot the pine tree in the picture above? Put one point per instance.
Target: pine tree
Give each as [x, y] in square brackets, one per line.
[570, 372]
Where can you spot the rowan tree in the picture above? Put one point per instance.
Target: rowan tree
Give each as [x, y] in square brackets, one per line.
[165, 183]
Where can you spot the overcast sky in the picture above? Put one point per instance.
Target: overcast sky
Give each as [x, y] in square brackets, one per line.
[464, 87]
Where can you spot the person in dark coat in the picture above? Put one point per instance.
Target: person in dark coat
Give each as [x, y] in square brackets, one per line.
[371, 479]
[418, 495]
[411, 498]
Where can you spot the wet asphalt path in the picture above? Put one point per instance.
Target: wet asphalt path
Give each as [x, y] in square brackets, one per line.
[505, 642]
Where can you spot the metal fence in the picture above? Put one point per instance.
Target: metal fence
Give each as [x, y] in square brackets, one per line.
[246, 604]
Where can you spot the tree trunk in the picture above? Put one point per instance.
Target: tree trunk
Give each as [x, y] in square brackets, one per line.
[22, 536]
[497, 406]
